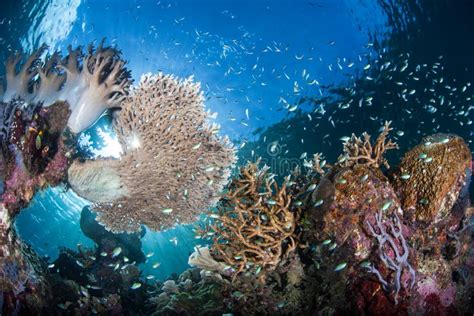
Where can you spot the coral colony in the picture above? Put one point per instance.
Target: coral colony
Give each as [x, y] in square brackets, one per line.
[163, 130]
[353, 236]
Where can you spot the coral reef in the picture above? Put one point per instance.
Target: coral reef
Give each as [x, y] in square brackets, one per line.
[130, 244]
[431, 176]
[35, 155]
[358, 249]
[254, 227]
[396, 262]
[23, 288]
[90, 84]
[173, 164]
[337, 238]
[89, 281]
[193, 293]
[360, 150]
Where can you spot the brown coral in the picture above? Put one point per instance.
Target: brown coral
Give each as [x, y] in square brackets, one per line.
[361, 151]
[431, 175]
[173, 164]
[255, 228]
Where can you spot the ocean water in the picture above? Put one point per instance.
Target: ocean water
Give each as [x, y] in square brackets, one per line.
[287, 78]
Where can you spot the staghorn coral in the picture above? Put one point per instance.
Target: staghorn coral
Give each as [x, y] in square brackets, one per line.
[255, 227]
[90, 84]
[360, 151]
[173, 163]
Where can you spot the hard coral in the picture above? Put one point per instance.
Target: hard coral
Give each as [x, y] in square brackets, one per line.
[173, 163]
[431, 176]
[361, 151]
[255, 227]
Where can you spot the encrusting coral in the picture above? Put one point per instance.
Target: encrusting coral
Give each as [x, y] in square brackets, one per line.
[173, 163]
[431, 177]
[254, 228]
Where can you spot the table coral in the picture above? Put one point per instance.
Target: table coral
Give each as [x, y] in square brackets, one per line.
[173, 163]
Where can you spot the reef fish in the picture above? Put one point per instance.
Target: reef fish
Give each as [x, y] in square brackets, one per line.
[116, 252]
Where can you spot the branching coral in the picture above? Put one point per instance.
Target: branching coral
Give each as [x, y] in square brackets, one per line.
[90, 84]
[361, 151]
[393, 252]
[173, 164]
[255, 228]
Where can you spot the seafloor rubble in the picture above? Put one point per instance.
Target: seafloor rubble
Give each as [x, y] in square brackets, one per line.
[343, 238]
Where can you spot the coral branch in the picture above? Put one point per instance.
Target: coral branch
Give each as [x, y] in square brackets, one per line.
[361, 151]
[393, 252]
[19, 83]
[90, 84]
[255, 227]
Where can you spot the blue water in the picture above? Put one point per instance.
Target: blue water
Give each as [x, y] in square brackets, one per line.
[254, 59]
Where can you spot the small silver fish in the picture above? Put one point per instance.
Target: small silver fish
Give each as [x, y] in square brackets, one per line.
[271, 202]
[167, 210]
[386, 205]
[136, 285]
[365, 264]
[342, 181]
[326, 242]
[340, 267]
[405, 176]
[116, 252]
[318, 203]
